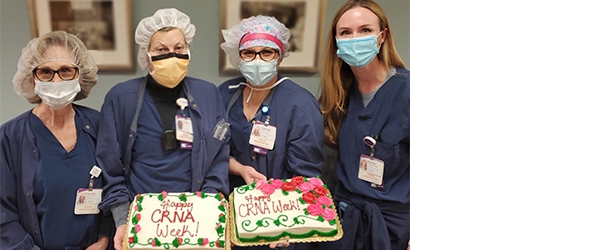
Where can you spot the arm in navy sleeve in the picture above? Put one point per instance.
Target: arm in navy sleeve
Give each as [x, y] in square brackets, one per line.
[305, 140]
[216, 179]
[13, 234]
[109, 158]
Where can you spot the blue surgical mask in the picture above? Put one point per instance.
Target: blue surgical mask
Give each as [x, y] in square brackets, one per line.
[259, 72]
[359, 51]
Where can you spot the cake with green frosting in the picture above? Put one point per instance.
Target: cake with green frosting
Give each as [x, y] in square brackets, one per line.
[177, 221]
[298, 210]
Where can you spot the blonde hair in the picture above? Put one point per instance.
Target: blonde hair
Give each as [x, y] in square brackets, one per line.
[337, 77]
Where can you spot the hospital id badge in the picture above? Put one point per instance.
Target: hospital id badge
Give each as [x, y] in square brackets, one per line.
[184, 128]
[87, 201]
[263, 135]
[371, 169]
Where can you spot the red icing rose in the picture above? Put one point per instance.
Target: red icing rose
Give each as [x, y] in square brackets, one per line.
[138, 216]
[328, 214]
[277, 183]
[297, 180]
[321, 191]
[288, 186]
[179, 241]
[315, 209]
[268, 189]
[309, 197]
[131, 240]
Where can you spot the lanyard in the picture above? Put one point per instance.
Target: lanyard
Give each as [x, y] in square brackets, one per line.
[239, 91]
[140, 102]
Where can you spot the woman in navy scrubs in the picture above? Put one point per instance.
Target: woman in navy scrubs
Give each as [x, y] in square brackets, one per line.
[366, 105]
[48, 152]
[261, 96]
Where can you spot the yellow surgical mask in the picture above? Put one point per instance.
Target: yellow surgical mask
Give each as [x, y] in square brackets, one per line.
[169, 69]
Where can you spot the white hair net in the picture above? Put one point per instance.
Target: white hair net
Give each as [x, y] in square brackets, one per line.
[162, 18]
[258, 25]
[35, 54]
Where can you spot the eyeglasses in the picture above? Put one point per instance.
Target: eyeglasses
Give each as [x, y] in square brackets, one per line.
[65, 73]
[162, 50]
[266, 54]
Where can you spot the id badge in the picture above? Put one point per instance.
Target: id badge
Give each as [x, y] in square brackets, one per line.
[184, 128]
[371, 169]
[263, 135]
[87, 200]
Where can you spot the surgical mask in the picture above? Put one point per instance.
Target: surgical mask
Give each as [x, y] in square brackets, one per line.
[358, 52]
[57, 94]
[259, 72]
[169, 69]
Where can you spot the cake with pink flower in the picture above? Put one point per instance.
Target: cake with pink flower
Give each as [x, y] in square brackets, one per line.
[177, 220]
[298, 210]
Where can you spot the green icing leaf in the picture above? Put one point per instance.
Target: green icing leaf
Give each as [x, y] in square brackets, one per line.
[260, 223]
[134, 220]
[157, 242]
[203, 195]
[320, 218]
[218, 197]
[298, 191]
[175, 242]
[277, 222]
[140, 199]
[332, 222]
[183, 197]
[220, 229]
[222, 219]
[222, 208]
[306, 212]
[139, 208]
[222, 243]
[302, 201]
[284, 192]
[133, 230]
[161, 197]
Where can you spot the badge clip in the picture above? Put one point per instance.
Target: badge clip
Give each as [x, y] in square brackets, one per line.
[371, 143]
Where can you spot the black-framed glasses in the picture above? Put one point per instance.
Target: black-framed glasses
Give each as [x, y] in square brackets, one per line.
[266, 54]
[65, 73]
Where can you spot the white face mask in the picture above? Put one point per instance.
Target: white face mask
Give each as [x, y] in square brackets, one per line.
[57, 94]
[259, 72]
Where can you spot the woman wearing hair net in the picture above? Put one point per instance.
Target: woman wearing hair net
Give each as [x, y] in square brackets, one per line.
[48, 152]
[261, 96]
[139, 147]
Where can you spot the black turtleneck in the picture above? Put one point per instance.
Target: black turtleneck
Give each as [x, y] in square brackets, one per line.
[165, 100]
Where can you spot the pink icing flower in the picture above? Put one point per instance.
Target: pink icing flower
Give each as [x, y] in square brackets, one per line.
[314, 209]
[328, 214]
[260, 184]
[268, 189]
[198, 193]
[316, 182]
[204, 242]
[136, 208]
[137, 228]
[277, 183]
[153, 243]
[305, 187]
[324, 200]
[164, 194]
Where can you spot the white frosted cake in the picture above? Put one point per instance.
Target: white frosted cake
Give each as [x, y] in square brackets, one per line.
[177, 220]
[298, 210]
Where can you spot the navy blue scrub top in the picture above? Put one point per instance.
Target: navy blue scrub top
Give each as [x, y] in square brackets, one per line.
[59, 175]
[153, 169]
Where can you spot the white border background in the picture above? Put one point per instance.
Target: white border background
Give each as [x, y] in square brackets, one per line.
[504, 124]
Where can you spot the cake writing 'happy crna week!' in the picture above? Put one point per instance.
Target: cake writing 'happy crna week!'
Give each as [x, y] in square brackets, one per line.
[177, 221]
[294, 210]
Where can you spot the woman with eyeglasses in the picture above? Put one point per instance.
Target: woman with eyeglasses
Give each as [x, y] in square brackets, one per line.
[141, 149]
[48, 152]
[276, 125]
